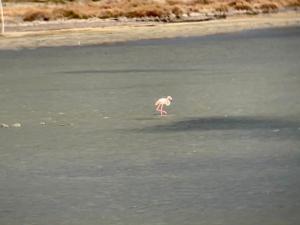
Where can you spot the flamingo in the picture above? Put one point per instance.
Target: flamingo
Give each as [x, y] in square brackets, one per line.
[160, 104]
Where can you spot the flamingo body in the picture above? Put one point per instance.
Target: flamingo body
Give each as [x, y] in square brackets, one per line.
[160, 104]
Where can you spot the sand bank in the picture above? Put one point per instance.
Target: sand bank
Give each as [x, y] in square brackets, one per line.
[105, 33]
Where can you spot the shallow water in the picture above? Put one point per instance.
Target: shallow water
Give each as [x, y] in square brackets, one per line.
[92, 150]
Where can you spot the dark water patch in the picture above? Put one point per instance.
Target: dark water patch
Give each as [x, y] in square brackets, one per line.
[122, 71]
[275, 125]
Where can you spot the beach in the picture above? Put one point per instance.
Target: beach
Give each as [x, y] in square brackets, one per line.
[96, 31]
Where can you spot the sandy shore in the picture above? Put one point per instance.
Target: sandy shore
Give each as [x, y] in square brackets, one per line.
[103, 32]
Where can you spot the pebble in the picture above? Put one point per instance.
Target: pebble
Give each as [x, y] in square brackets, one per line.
[16, 125]
[42, 123]
[276, 130]
[4, 125]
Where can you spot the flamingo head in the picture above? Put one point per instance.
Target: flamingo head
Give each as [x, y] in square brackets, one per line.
[170, 98]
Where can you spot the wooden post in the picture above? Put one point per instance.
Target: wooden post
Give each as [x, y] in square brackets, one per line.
[2, 17]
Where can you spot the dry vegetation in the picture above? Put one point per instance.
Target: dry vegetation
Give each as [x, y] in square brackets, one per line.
[164, 10]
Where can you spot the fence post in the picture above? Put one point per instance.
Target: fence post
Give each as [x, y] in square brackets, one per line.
[2, 17]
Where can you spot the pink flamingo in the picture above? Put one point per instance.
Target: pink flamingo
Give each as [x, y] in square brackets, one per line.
[160, 104]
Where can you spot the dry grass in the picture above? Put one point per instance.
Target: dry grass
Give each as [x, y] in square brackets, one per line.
[269, 7]
[241, 5]
[222, 8]
[294, 4]
[39, 1]
[160, 9]
[37, 14]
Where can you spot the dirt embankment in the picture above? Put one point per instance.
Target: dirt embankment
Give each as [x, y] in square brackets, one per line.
[146, 10]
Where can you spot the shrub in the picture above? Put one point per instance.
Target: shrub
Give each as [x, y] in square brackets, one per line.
[294, 4]
[174, 2]
[204, 2]
[66, 13]
[36, 15]
[241, 5]
[177, 11]
[221, 8]
[268, 7]
[150, 11]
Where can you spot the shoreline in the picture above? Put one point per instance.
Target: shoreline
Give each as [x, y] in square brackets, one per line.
[106, 32]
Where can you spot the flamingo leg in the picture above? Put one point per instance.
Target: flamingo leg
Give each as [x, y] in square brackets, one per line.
[157, 108]
[162, 110]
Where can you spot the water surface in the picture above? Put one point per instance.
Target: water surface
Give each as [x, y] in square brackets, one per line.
[92, 150]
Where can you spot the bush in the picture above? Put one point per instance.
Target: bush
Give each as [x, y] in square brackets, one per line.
[152, 11]
[66, 13]
[36, 15]
[268, 7]
[294, 4]
[221, 8]
[177, 11]
[241, 5]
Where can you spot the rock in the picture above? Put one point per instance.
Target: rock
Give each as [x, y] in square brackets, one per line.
[184, 16]
[122, 19]
[4, 125]
[172, 17]
[42, 123]
[17, 125]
